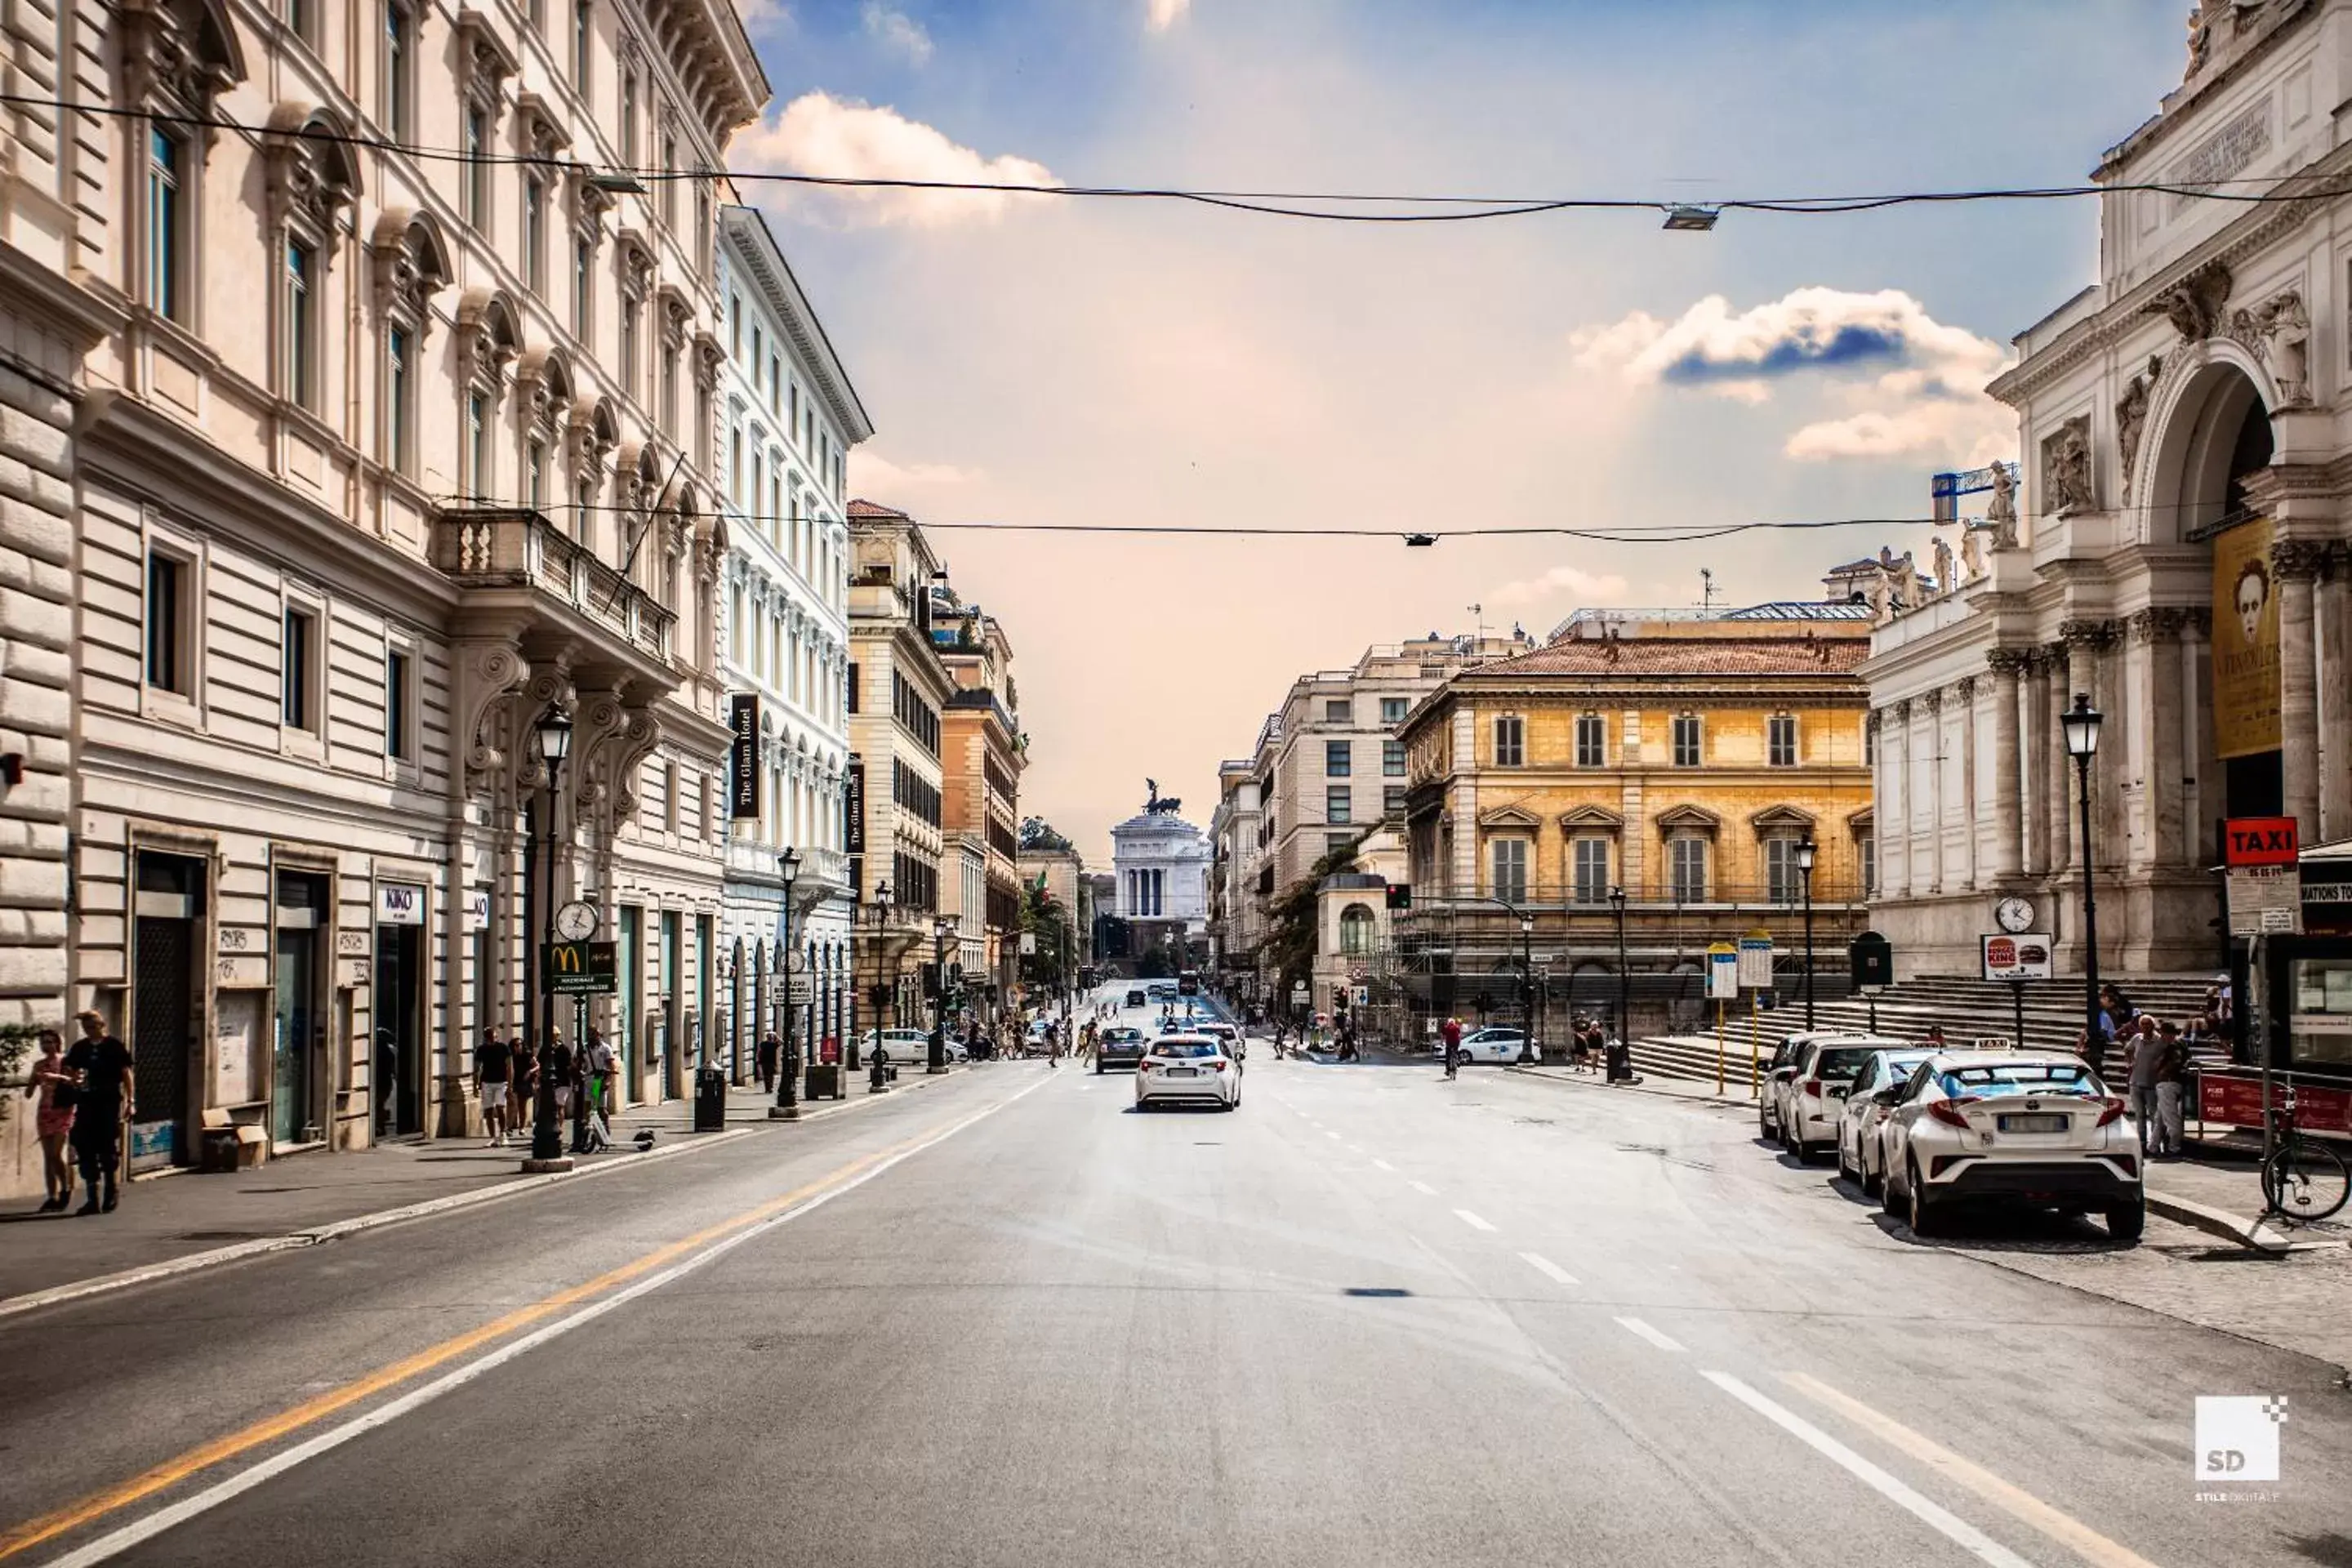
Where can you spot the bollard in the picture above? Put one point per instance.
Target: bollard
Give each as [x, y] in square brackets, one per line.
[879, 1079]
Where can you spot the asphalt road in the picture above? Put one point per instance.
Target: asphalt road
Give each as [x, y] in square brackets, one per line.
[1370, 1318]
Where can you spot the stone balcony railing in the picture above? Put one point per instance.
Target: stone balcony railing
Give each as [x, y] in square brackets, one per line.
[516, 548]
[821, 868]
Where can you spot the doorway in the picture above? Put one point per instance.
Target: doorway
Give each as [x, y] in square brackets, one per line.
[163, 1054]
[399, 1059]
[299, 1041]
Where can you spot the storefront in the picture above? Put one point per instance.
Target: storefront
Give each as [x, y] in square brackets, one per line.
[2306, 1012]
[398, 1065]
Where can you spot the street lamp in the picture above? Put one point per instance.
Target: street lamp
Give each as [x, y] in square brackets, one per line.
[1528, 985]
[881, 982]
[1625, 981]
[788, 1094]
[2081, 724]
[546, 1136]
[1805, 870]
[941, 928]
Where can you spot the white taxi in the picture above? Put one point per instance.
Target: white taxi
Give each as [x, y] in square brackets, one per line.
[1188, 1070]
[2024, 1127]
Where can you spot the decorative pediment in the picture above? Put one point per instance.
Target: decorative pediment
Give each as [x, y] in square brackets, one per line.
[637, 258]
[1863, 823]
[1509, 816]
[487, 340]
[542, 126]
[184, 52]
[547, 379]
[1591, 820]
[1688, 819]
[485, 63]
[312, 173]
[676, 314]
[1781, 819]
[412, 263]
[709, 353]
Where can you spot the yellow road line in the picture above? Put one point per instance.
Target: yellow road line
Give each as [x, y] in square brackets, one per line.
[2064, 1529]
[171, 1472]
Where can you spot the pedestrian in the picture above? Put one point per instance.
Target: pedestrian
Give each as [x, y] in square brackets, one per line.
[105, 1096]
[1936, 1036]
[1451, 1034]
[522, 1100]
[387, 1082]
[2143, 1070]
[2091, 1045]
[772, 1051]
[52, 1084]
[493, 1076]
[1579, 1050]
[2172, 1090]
[559, 1068]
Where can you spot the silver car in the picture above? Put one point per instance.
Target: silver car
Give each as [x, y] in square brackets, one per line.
[1858, 1154]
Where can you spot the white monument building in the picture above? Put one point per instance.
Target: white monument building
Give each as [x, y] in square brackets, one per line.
[1161, 865]
[2176, 551]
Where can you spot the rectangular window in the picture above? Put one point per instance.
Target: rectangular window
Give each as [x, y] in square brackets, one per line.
[166, 156]
[582, 40]
[397, 741]
[1686, 863]
[1509, 856]
[396, 398]
[398, 63]
[852, 688]
[480, 481]
[1868, 845]
[1781, 740]
[534, 234]
[1393, 759]
[775, 386]
[1338, 805]
[1687, 741]
[301, 17]
[792, 398]
[167, 622]
[629, 117]
[1869, 741]
[631, 309]
[1339, 761]
[535, 474]
[583, 288]
[1591, 740]
[300, 381]
[1394, 708]
[474, 192]
[1335, 842]
[1392, 800]
[668, 410]
[1592, 871]
[669, 187]
[1784, 884]
[298, 664]
[1510, 741]
[1338, 710]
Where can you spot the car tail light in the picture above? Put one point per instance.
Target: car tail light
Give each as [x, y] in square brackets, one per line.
[1947, 1111]
[2110, 1109]
[1812, 1088]
[1216, 1067]
[1143, 1066]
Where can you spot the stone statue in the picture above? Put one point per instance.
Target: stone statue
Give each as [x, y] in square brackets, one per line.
[2066, 468]
[2286, 338]
[1880, 612]
[1944, 580]
[1972, 552]
[1152, 802]
[1903, 584]
[2131, 411]
[2000, 512]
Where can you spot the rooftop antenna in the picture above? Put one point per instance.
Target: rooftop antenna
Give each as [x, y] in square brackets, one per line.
[1706, 591]
[1478, 615]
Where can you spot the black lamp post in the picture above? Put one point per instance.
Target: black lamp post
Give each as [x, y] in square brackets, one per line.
[2081, 724]
[1805, 870]
[1528, 985]
[1625, 981]
[881, 980]
[546, 1133]
[941, 928]
[788, 1093]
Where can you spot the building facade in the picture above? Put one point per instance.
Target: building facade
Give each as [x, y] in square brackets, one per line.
[788, 416]
[1236, 906]
[1159, 866]
[986, 752]
[1681, 760]
[2175, 551]
[377, 462]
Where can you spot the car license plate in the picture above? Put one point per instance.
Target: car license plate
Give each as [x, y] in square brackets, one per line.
[1183, 1072]
[2031, 1123]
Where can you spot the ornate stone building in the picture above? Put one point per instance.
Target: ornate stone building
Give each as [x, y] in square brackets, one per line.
[983, 754]
[2176, 551]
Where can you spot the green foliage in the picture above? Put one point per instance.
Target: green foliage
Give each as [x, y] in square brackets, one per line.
[16, 1042]
[1290, 940]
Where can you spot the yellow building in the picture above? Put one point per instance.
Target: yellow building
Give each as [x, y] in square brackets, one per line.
[1682, 761]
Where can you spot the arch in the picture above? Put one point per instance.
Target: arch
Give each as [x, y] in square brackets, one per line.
[551, 371]
[491, 312]
[326, 137]
[1358, 928]
[2201, 405]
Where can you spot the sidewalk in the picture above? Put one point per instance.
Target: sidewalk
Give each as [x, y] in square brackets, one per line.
[171, 1223]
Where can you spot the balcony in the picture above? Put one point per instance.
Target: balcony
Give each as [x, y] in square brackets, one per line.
[824, 872]
[514, 563]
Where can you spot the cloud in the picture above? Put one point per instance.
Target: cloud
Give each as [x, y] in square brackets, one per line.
[877, 479]
[1551, 585]
[897, 32]
[761, 16]
[817, 134]
[1161, 15]
[1926, 398]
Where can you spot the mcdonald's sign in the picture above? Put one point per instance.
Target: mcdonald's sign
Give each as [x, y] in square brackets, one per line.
[580, 969]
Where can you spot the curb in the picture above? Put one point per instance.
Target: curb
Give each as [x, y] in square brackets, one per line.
[334, 1230]
[1725, 1100]
[2257, 1234]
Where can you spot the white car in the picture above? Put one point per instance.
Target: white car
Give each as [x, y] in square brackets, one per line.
[1490, 1045]
[1809, 1091]
[1188, 1070]
[2034, 1127]
[1226, 1035]
[1864, 1113]
[904, 1046]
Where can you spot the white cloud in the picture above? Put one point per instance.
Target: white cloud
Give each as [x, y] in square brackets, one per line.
[1161, 15]
[817, 134]
[897, 32]
[1901, 382]
[877, 479]
[1551, 585]
[762, 16]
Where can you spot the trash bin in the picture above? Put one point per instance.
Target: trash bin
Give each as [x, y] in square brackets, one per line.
[1620, 1058]
[710, 1101]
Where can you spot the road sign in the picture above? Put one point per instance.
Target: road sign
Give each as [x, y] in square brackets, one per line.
[2258, 841]
[1358, 972]
[1722, 973]
[579, 969]
[1298, 990]
[2025, 957]
[1756, 961]
[1363, 996]
[800, 990]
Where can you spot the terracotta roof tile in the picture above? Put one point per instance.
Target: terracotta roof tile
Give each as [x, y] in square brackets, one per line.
[863, 507]
[1686, 655]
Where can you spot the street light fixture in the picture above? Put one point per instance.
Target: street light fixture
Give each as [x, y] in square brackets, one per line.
[788, 1094]
[1528, 985]
[1805, 870]
[941, 928]
[555, 730]
[2081, 723]
[881, 981]
[1624, 980]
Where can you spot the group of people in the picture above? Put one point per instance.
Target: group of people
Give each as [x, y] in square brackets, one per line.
[84, 1095]
[508, 1074]
[2155, 1062]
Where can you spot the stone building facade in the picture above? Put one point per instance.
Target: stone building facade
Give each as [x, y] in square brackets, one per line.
[983, 755]
[2176, 551]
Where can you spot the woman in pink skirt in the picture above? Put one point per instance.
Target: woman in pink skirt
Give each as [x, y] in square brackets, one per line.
[53, 1083]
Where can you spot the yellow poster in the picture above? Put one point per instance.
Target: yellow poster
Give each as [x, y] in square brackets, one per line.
[2246, 642]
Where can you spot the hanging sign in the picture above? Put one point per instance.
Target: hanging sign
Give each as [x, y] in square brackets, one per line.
[1722, 973]
[399, 904]
[2009, 957]
[2245, 643]
[853, 817]
[743, 758]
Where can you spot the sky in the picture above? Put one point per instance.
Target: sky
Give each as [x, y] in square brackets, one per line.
[1052, 359]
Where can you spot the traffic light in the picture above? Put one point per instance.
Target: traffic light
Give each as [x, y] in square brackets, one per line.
[1400, 895]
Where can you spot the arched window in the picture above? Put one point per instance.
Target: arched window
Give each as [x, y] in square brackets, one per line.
[1356, 929]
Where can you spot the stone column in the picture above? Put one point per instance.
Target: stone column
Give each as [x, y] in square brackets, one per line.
[2007, 822]
[1934, 704]
[1895, 835]
[2058, 768]
[2158, 696]
[2335, 619]
[1964, 702]
[2294, 564]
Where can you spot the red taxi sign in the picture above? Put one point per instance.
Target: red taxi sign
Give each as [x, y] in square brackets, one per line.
[2259, 841]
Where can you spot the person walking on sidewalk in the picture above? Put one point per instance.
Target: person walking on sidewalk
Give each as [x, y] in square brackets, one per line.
[104, 1097]
[522, 1097]
[2143, 1070]
[559, 1066]
[493, 1073]
[1450, 1032]
[772, 1051]
[53, 1118]
[2172, 1089]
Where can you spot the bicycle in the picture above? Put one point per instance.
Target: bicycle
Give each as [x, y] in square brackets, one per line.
[2302, 1181]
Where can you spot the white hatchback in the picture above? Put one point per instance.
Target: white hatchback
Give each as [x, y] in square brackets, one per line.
[2028, 1127]
[1495, 1045]
[1188, 1070]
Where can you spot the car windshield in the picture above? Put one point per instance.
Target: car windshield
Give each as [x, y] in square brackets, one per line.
[1991, 1080]
[1844, 1063]
[1186, 1048]
[1122, 1037]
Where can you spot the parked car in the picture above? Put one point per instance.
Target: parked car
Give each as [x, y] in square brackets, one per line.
[1808, 1089]
[2030, 1127]
[1119, 1046]
[1493, 1044]
[1864, 1113]
[1188, 1070]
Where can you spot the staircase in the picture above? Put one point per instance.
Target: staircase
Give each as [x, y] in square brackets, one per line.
[1967, 1009]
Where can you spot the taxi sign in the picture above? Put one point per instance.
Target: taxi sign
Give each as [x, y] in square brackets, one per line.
[2259, 841]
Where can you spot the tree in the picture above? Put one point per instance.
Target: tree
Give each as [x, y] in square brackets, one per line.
[1291, 923]
[1043, 918]
[1037, 833]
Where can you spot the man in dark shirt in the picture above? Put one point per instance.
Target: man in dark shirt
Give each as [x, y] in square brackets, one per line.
[493, 1073]
[102, 1065]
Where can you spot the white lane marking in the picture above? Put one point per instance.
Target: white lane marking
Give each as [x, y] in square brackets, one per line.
[1423, 1188]
[1472, 1220]
[1960, 1531]
[1382, 1165]
[115, 1543]
[1547, 1268]
[1641, 1331]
